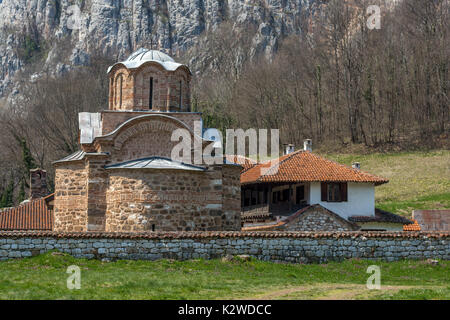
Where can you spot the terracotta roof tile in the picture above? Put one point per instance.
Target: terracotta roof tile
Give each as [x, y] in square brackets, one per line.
[411, 227]
[245, 162]
[381, 216]
[306, 166]
[225, 234]
[33, 215]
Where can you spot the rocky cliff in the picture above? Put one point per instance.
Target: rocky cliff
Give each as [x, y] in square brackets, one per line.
[38, 36]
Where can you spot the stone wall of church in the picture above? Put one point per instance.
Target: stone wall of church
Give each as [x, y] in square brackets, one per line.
[97, 184]
[121, 84]
[145, 137]
[130, 89]
[144, 144]
[169, 200]
[71, 197]
[113, 119]
[231, 201]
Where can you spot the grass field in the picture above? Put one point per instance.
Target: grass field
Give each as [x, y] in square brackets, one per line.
[418, 180]
[44, 277]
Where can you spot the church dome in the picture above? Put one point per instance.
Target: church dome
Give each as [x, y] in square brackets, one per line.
[143, 54]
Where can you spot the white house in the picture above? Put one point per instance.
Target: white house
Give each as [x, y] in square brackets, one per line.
[304, 191]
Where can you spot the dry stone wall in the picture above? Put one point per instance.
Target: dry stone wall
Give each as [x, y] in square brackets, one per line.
[295, 247]
[318, 219]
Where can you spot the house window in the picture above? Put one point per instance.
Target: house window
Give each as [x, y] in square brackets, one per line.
[334, 191]
[150, 95]
[300, 194]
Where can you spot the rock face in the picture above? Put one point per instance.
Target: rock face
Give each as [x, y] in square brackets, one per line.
[66, 33]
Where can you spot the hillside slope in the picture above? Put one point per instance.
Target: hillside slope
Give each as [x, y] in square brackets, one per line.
[417, 180]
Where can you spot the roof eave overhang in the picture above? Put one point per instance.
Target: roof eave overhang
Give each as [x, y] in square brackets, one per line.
[376, 183]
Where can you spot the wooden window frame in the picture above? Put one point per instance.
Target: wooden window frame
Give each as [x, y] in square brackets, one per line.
[343, 191]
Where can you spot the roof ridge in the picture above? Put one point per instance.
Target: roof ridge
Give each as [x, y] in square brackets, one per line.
[304, 164]
[23, 204]
[358, 171]
[289, 156]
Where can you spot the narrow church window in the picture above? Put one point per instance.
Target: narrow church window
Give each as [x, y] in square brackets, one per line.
[111, 90]
[115, 92]
[153, 227]
[180, 102]
[150, 95]
[121, 85]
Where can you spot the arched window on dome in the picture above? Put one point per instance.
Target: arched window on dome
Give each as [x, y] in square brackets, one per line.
[118, 97]
[121, 89]
[180, 102]
[150, 94]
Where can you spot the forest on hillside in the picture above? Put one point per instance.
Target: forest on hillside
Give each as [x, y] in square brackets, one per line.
[337, 82]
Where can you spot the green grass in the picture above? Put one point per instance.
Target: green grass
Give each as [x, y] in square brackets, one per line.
[417, 180]
[44, 277]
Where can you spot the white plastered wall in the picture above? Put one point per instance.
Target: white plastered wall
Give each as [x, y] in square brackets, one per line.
[361, 200]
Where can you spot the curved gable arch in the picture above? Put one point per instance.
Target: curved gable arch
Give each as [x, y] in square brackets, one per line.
[147, 135]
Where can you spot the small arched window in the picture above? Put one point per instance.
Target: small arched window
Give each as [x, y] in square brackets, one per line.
[121, 88]
[180, 102]
[118, 91]
[150, 94]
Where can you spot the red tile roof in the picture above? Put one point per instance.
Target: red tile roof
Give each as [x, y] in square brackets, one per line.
[245, 162]
[33, 215]
[306, 166]
[225, 234]
[411, 227]
[381, 216]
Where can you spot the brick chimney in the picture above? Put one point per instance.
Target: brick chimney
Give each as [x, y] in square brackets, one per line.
[307, 145]
[38, 183]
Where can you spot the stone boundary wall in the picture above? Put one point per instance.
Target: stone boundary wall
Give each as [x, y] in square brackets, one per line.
[296, 247]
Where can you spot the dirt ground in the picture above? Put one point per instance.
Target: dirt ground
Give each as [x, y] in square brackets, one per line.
[331, 292]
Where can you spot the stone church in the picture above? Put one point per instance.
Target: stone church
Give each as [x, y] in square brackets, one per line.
[129, 175]
[124, 179]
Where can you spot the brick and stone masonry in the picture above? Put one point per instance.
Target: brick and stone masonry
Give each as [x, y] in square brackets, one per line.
[172, 201]
[71, 197]
[147, 103]
[38, 183]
